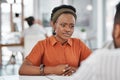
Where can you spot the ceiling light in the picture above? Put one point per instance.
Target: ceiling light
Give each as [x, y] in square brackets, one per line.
[89, 7]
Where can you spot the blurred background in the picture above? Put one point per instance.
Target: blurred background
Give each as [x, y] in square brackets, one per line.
[94, 25]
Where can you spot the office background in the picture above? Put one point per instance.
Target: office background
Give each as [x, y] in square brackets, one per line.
[95, 18]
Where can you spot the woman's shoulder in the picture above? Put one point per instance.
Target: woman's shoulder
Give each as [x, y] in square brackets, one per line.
[45, 41]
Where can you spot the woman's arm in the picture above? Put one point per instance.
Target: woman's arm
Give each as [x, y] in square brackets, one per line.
[28, 69]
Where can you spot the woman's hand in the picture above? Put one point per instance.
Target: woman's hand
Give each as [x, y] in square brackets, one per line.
[60, 69]
[64, 70]
[70, 71]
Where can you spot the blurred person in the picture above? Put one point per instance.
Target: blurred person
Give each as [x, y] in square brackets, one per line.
[59, 54]
[35, 28]
[103, 64]
[17, 23]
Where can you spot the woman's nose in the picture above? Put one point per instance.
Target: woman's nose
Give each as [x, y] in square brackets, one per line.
[67, 28]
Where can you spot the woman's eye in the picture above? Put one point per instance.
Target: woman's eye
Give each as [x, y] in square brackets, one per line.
[63, 25]
[72, 26]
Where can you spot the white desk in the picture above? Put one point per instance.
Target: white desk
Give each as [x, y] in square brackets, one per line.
[17, 77]
[9, 77]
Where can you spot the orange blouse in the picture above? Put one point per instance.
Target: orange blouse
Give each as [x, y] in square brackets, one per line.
[50, 52]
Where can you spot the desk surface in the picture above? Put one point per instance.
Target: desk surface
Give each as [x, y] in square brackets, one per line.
[17, 77]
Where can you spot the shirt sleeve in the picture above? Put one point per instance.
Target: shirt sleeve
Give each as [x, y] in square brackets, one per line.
[35, 56]
[85, 51]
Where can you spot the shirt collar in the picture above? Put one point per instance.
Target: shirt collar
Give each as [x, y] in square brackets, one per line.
[53, 41]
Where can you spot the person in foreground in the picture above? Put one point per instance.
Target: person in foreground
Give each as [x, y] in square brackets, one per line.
[59, 54]
[103, 64]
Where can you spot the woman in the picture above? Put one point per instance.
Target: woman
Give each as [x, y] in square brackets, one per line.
[59, 54]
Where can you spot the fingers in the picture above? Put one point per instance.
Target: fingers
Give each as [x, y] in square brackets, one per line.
[67, 71]
[66, 68]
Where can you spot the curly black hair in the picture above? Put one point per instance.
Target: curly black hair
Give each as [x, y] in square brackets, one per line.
[30, 20]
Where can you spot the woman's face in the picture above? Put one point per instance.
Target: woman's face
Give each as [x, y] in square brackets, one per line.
[64, 26]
